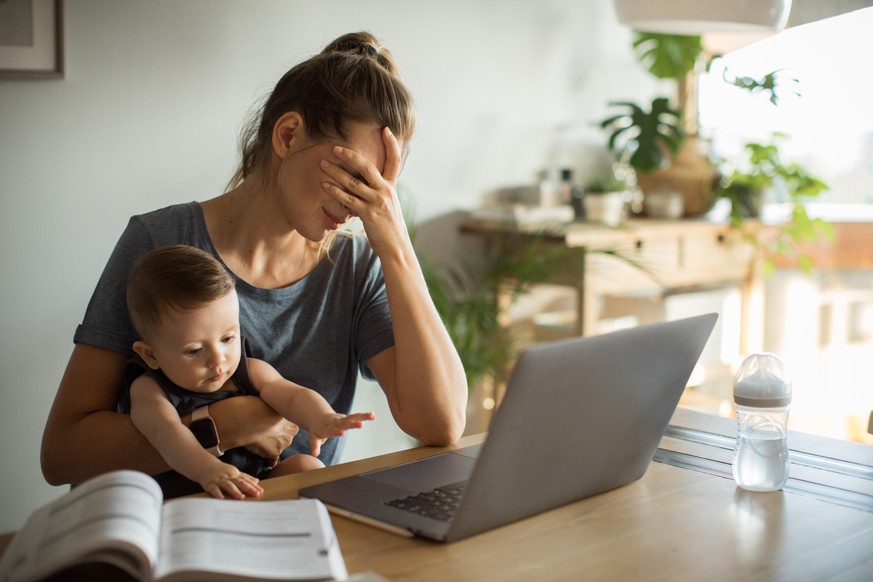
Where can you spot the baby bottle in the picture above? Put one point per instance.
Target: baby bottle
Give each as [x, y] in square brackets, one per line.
[762, 393]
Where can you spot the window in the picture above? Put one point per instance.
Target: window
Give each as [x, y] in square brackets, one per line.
[830, 123]
[822, 326]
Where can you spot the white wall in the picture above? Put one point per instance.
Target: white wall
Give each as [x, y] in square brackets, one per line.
[148, 116]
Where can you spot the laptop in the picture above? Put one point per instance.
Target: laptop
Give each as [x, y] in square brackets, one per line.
[579, 417]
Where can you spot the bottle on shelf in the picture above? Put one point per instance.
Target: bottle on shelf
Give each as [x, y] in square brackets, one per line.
[571, 194]
[548, 191]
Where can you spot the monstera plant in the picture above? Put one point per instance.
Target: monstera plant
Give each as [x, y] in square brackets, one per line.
[646, 139]
[649, 140]
[661, 143]
[667, 56]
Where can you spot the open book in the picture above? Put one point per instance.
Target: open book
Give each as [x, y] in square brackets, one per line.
[117, 523]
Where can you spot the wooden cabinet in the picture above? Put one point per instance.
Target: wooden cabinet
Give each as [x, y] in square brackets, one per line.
[644, 258]
[670, 256]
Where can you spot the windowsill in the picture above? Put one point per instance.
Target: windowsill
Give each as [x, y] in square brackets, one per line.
[832, 212]
[777, 212]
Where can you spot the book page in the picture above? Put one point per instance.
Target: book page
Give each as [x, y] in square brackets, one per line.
[279, 540]
[114, 513]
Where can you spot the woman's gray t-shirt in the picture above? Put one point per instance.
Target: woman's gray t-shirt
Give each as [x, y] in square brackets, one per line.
[318, 332]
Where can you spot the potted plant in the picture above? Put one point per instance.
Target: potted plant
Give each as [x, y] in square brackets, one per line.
[604, 199]
[661, 144]
[763, 172]
[472, 295]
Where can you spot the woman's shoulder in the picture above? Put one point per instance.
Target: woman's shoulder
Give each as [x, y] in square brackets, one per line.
[176, 212]
[179, 223]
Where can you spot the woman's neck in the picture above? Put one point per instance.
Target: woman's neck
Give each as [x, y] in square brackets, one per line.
[255, 241]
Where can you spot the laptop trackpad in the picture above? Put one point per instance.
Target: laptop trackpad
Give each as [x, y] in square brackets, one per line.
[426, 474]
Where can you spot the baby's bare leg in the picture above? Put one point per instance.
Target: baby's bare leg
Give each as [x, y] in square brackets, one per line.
[296, 464]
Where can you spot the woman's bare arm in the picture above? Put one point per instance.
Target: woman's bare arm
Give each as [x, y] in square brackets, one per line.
[422, 375]
[85, 437]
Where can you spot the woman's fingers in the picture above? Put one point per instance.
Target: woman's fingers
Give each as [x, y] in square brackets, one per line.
[354, 192]
[393, 155]
[355, 171]
[352, 185]
[356, 182]
[353, 168]
[352, 202]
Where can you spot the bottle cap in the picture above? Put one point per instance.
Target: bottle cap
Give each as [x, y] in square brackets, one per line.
[761, 382]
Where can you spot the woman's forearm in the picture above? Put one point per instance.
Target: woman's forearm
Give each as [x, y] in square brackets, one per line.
[84, 436]
[429, 387]
[96, 443]
[421, 375]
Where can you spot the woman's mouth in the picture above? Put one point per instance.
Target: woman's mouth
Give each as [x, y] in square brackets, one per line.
[333, 222]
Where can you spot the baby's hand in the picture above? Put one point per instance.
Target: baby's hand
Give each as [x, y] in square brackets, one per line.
[230, 481]
[334, 425]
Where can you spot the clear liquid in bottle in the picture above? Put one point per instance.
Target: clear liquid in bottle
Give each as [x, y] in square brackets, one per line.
[762, 393]
[762, 462]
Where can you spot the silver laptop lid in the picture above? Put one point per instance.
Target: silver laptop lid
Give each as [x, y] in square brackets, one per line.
[580, 416]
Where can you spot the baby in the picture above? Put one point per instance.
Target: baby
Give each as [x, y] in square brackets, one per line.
[183, 304]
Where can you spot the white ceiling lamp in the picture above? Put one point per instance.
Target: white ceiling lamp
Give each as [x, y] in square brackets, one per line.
[701, 16]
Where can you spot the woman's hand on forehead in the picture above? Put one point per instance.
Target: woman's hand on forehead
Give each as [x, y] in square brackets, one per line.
[370, 153]
[368, 193]
[357, 175]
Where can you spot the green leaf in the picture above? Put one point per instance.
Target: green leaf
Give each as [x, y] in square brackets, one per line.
[805, 264]
[771, 83]
[667, 56]
[647, 139]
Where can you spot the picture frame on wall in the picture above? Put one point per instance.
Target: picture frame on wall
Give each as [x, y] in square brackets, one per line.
[31, 39]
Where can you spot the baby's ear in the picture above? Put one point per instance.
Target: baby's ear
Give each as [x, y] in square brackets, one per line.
[146, 352]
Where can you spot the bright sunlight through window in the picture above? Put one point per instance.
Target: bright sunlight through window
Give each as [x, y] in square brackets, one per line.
[827, 111]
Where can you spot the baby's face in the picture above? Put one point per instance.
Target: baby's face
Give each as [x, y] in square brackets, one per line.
[200, 349]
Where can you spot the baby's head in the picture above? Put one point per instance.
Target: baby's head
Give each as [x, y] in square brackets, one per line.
[183, 304]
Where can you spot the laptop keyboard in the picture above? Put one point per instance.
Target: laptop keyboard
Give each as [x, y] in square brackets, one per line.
[441, 503]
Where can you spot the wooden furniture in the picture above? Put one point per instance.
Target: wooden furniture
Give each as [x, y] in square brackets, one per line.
[850, 248]
[676, 523]
[662, 257]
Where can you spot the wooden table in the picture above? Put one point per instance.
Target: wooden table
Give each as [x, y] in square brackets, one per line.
[676, 523]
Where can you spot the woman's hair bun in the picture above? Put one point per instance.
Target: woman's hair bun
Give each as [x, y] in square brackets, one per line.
[364, 44]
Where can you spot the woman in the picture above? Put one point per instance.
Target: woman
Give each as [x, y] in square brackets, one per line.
[326, 145]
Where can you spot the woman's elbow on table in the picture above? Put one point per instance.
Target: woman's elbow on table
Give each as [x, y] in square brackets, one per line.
[435, 430]
[449, 435]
